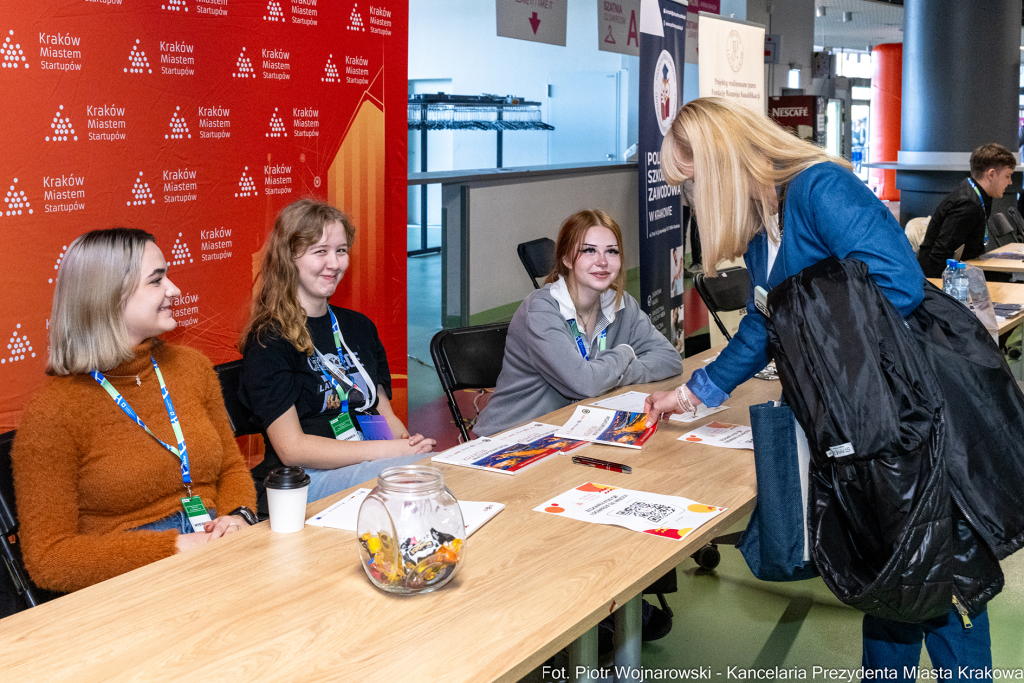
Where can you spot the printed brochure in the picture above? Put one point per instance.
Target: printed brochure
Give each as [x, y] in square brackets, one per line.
[673, 517]
[345, 513]
[610, 427]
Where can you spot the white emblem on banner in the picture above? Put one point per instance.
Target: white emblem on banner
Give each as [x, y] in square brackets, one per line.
[179, 252]
[355, 20]
[330, 72]
[179, 129]
[56, 266]
[61, 126]
[17, 347]
[276, 126]
[274, 11]
[174, 5]
[14, 56]
[141, 192]
[138, 61]
[666, 91]
[246, 185]
[16, 200]
[243, 67]
[734, 50]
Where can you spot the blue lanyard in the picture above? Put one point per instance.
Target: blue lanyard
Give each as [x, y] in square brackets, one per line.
[976, 190]
[601, 340]
[328, 377]
[180, 452]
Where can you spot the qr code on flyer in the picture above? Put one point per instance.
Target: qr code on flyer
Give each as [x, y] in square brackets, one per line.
[652, 512]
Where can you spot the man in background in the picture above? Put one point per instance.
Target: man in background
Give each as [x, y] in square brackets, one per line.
[962, 216]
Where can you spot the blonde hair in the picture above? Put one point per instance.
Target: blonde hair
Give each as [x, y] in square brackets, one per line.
[275, 303]
[98, 274]
[570, 236]
[738, 158]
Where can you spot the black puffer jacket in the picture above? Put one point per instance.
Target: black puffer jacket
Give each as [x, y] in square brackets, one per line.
[916, 431]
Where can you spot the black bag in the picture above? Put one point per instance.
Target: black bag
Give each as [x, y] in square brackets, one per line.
[880, 512]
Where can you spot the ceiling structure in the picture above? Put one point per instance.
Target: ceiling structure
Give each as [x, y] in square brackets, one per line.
[871, 23]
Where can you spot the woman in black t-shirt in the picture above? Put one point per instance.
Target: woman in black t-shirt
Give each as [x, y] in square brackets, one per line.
[316, 376]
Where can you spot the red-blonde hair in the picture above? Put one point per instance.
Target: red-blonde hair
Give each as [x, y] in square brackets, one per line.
[571, 235]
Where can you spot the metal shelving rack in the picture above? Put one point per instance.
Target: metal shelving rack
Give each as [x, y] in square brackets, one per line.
[440, 111]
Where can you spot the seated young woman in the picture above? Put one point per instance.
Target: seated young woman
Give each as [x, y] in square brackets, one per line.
[313, 373]
[580, 335]
[124, 455]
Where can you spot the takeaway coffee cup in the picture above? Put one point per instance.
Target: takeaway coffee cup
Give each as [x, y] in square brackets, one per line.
[286, 496]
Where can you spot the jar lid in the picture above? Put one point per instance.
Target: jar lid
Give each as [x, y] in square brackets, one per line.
[287, 478]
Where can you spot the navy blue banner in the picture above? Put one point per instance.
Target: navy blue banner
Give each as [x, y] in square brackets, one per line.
[661, 213]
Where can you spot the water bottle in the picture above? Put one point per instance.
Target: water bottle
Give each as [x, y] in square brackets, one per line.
[947, 276]
[961, 288]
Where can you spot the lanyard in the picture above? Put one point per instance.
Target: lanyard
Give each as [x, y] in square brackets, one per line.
[601, 340]
[976, 190]
[331, 377]
[180, 452]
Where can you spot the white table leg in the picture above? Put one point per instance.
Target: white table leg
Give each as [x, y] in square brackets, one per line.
[628, 631]
[583, 657]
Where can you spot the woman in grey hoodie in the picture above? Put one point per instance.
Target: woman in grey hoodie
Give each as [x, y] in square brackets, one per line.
[581, 335]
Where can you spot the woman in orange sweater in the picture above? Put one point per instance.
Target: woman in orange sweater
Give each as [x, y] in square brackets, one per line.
[125, 455]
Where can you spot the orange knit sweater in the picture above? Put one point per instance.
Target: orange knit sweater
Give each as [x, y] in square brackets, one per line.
[85, 473]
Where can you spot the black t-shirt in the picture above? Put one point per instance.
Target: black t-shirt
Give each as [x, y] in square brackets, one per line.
[276, 376]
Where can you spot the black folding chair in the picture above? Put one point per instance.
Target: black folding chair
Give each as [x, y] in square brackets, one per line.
[26, 594]
[243, 422]
[728, 291]
[468, 358]
[538, 257]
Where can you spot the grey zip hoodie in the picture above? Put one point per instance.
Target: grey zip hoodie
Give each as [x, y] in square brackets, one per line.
[543, 369]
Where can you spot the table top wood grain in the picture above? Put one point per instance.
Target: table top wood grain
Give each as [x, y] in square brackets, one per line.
[1003, 293]
[1002, 265]
[260, 606]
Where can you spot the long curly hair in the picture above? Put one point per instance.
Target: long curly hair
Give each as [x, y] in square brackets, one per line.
[275, 303]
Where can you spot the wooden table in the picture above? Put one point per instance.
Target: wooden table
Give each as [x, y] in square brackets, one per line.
[1002, 265]
[1003, 293]
[260, 606]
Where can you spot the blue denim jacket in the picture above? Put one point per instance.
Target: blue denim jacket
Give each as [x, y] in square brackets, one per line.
[828, 212]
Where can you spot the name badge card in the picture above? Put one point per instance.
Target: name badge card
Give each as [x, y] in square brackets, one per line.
[196, 511]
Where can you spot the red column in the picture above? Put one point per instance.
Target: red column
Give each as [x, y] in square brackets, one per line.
[886, 98]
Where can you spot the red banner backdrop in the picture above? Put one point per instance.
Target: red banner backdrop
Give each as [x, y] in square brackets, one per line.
[197, 120]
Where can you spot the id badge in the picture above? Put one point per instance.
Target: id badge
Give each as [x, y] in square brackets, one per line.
[344, 429]
[196, 511]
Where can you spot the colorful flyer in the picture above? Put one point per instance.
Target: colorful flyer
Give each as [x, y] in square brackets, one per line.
[721, 434]
[633, 401]
[540, 435]
[673, 517]
[610, 427]
[494, 455]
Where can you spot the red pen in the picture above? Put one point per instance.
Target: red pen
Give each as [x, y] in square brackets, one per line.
[602, 464]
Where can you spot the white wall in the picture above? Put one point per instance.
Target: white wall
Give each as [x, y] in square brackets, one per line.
[794, 21]
[458, 40]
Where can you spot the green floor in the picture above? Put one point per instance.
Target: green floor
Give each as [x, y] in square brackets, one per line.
[727, 618]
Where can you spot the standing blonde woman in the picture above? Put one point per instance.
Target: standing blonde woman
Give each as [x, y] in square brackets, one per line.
[784, 204]
[125, 429]
[312, 373]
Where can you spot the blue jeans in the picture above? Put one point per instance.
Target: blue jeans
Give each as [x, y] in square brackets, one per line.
[176, 520]
[324, 483]
[959, 651]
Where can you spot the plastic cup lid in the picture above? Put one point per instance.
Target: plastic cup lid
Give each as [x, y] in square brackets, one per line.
[287, 478]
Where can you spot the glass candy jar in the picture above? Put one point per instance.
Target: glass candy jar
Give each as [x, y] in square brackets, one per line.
[410, 530]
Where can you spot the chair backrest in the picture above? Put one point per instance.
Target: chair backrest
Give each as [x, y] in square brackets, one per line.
[468, 358]
[538, 257]
[728, 291]
[1017, 221]
[916, 230]
[242, 420]
[10, 546]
